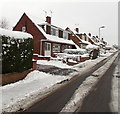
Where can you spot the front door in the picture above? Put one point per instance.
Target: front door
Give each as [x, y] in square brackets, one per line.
[47, 49]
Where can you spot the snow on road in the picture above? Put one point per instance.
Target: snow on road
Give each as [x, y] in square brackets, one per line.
[35, 82]
[21, 94]
[84, 89]
[114, 92]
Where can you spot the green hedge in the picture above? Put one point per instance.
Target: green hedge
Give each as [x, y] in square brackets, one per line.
[16, 54]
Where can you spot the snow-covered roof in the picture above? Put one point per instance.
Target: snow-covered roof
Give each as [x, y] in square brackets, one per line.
[91, 46]
[74, 32]
[47, 36]
[40, 21]
[15, 34]
[83, 41]
[100, 42]
[55, 38]
[35, 19]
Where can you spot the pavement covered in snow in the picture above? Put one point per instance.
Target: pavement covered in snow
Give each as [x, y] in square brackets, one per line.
[56, 63]
[37, 84]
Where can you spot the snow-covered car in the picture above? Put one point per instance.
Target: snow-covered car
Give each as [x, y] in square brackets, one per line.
[73, 54]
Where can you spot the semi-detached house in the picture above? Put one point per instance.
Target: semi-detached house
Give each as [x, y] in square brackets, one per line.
[48, 39]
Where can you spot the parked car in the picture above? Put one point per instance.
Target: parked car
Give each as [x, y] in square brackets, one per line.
[73, 54]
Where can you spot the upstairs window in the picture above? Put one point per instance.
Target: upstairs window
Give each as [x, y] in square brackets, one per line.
[83, 37]
[65, 35]
[23, 29]
[54, 32]
[87, 38]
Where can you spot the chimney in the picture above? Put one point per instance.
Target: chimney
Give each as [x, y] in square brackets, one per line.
[48, 19]
[77, 30]
[96, 36]
[89, 34]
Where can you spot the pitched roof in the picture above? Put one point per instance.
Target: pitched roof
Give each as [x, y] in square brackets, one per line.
[47, 36]
[74, 33]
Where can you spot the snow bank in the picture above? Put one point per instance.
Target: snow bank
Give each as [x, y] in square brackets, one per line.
[23, 93]
[79, 94]
[15, 34]
[114, 92]
[14, 95]
[84, 89]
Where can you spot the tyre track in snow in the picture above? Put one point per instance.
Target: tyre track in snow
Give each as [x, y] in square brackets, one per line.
[57, 99]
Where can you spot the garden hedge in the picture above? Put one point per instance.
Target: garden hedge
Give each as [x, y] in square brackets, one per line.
[16, 55]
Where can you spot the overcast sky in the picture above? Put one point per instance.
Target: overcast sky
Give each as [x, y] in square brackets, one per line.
[88, 16]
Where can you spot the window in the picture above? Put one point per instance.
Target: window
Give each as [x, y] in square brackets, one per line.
[64, 47]
[47, 46]
[23, 29]
[65, 35]
[69, 47]
[56, 47]
[83, 37]
[54, 32]
[87, 38]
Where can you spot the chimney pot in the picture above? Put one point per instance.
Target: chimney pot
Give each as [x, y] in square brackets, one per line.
[77, 30]
[48, 19]
[89, 34]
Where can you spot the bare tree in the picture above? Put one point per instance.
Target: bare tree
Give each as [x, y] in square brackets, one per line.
[4, 23]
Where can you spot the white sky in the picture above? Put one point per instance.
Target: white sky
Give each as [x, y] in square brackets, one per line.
[66, 13]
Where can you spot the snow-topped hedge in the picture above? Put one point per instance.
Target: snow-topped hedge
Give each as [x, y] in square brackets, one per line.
[17, 51]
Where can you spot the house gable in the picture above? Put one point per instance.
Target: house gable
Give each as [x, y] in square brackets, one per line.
[31, 28]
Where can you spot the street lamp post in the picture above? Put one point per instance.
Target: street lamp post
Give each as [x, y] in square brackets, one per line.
[99, 30]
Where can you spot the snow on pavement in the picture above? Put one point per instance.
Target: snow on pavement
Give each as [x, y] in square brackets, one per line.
[35, 82]
[22, 93]
[56, 63]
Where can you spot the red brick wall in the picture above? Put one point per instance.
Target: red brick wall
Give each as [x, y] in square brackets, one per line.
[84, 59]
[32, 29]
[90, 41]
[13, 77]
[75, 40]
[48, 19]
[48, 29]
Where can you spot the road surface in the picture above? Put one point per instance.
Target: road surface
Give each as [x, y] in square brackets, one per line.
[57, 100]
[99, 99]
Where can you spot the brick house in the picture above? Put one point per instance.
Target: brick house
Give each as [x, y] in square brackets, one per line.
[87, 39]
[79, 39]
[48, 39]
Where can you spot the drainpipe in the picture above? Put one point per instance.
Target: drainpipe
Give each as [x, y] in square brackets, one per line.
[40, 47]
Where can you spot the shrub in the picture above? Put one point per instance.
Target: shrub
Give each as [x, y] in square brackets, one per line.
[16, 54]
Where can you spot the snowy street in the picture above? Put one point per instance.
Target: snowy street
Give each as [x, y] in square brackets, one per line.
[24, 93]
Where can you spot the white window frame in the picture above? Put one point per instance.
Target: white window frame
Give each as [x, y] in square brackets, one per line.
[83, 37]
[65, 35]
[56, 31]
[23, 29]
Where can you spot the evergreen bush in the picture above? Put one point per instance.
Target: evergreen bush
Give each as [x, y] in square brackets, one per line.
[16, 54]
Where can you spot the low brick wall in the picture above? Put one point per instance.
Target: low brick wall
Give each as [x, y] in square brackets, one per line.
[13, 77]
[84, 59]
